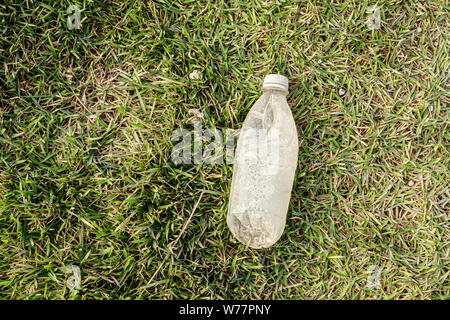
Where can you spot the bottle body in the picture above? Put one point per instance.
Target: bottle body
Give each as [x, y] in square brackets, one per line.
[264, 170]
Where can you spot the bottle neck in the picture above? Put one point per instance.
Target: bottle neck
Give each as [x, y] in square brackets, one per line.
[275, 90]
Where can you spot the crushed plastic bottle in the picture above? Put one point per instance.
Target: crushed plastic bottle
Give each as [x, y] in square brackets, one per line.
[74, 281]
[264, 168]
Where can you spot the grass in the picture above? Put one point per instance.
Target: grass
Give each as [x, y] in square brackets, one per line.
[86, 178]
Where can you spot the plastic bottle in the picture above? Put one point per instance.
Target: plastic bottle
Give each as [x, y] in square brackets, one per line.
[264, 168]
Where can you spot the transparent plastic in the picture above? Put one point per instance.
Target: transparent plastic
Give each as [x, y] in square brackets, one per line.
[264, 168]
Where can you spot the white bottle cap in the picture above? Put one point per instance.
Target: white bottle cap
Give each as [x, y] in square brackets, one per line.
[276, 81]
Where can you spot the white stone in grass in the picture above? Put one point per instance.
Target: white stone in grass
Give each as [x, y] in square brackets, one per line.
[341, 91]
[410, 183]
[195, 75]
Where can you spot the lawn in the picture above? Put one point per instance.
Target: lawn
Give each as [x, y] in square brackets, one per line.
[86, 177]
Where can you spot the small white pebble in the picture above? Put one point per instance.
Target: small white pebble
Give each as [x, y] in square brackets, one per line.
[341, 91]
[410, 183]
[319, 61]
[195, 75]
[419, 29]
